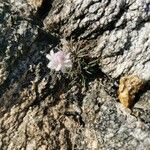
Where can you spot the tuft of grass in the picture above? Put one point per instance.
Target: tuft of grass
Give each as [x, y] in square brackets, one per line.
[84, 67]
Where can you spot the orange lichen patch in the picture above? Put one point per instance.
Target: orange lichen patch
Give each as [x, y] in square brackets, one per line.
[128, 87]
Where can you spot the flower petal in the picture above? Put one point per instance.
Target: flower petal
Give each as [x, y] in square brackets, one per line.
[58, 67]
[48, 56]
[59, 61]
[68, 65]
[52, 53]
[50, 65]
[67, 61]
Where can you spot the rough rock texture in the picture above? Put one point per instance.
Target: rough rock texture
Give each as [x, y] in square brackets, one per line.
[117, 30]
[40, 109]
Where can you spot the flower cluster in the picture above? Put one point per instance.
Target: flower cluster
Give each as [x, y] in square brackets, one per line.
[59, 61]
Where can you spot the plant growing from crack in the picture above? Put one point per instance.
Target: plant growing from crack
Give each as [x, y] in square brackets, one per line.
[73, 61]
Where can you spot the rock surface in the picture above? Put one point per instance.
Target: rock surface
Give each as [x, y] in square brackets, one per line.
[41, 109]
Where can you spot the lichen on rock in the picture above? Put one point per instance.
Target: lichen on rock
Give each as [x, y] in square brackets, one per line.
[129, 86]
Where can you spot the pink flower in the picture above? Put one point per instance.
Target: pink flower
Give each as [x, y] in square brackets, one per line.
[59, 61]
